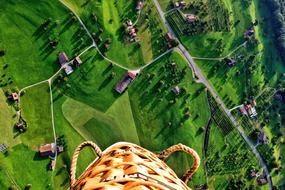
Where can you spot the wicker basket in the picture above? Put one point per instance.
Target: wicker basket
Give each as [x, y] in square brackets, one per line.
[128, 166]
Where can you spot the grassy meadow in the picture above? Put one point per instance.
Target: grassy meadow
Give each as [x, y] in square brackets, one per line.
[90, 109]
[108, 26]
[86, 107]
[26, 40]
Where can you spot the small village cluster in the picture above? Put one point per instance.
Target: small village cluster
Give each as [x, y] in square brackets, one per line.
[130, 27]
[64, 62]
[261, 177]
[249, 109]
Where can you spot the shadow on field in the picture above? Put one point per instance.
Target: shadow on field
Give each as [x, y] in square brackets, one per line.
[37, 157]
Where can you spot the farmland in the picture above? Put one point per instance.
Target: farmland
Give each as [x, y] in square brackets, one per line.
[168, 101]
[139, 117]
[228, 158]
[107, 27]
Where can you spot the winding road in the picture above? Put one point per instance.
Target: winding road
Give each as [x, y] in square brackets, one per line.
[203, 80]
[197, 75]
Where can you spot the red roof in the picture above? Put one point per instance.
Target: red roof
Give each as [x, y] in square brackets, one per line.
[15, 96]
[191, 18]
[131, 74]
[47, 149]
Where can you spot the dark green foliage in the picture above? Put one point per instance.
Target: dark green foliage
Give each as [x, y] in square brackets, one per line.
[277, 18]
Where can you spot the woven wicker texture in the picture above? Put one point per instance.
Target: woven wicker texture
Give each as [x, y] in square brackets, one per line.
[129, 167]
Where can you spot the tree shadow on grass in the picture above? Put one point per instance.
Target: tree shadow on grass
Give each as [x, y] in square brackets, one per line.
[37, 157]
[107, 70]
[105, 83]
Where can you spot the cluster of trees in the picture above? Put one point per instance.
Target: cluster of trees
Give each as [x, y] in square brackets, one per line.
[277, 9]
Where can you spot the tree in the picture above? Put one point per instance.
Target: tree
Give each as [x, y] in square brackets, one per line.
[2, 52]
[28, 186]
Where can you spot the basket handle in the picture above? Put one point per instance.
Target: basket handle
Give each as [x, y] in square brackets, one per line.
[95, 147]
[180, 147]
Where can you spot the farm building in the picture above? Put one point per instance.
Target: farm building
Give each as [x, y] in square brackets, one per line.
[123, 84]
[249, 34]
[131, 31]
[50, 150]
[176, 90]
[129, 23]
[14, 96]
[243, 110]
[230, 62]
[139, 6]
[252, 174]
[77, 61]
[179, 4]
[262, 138]
[68, 69]
[249, 109]
[63, 59]
[168, 37]
[47, 150]
[191, 18]
[261, 181]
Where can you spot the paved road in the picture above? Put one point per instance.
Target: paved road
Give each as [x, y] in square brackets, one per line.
[203, 80]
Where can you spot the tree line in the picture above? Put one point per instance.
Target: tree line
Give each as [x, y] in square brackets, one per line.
[277, 10]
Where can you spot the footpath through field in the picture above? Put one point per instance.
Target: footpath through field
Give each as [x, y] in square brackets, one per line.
[201, 79]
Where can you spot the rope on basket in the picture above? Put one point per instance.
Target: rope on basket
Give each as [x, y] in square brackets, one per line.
[75, 157]
[180, 147]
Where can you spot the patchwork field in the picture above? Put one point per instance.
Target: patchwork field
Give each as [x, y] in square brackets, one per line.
[106, 124]
[163, 106]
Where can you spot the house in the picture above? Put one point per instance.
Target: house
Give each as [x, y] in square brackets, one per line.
[47, 150]
[252, 174]
[191, 18]
[132, 33]
[52, 165]
[176, 90]
[182, 4]
[77, 61]
[262, 138]
[243, 110]
[129, 23]
[59, 149]
[63, 60]
[67, 69]
[249, 34]
[176, 5]
[123, 84]
[139, 6]
[14, 96]
[168, 37]
[253, 103]
[261, 181]
[249, 109]
[230, 62]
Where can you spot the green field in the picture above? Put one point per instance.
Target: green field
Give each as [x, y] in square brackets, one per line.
[110, 19]
[22, 163]
[86, 106]
[98, 116]
[26, 42]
